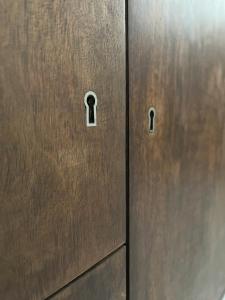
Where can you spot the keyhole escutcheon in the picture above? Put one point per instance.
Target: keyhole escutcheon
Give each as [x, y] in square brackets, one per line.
[152, 120]
[90, 101]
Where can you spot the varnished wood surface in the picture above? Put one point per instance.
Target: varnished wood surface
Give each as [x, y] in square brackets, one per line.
[177, 176]
[105, 282]
[62, 185]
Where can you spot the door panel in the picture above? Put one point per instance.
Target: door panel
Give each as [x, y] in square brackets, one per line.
[106, 282]
[177, 175]
[62, 184]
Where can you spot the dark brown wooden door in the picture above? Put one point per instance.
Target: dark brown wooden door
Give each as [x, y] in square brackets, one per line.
[177, 174]
[62, 184]
[107, 281]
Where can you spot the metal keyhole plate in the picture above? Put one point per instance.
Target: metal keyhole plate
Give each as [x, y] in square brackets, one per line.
[91, 101]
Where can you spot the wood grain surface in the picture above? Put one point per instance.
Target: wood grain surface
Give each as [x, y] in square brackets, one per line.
[177, 176]
[107, 281]
[62, 185]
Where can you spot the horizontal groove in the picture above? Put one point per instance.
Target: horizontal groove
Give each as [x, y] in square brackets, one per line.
[87, 271]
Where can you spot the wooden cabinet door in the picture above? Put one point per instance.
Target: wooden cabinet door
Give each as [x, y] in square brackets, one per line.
[177, 173]
[62, 184]
[107, 281]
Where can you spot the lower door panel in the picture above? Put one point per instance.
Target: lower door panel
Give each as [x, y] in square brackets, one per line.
[107, 281]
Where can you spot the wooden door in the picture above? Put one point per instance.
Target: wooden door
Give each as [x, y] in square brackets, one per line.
[177, 172]
[62, 184]
[107, 281]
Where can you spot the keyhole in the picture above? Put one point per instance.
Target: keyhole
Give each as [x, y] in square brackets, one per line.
[91, 104]
[90, 101]
[152, 116]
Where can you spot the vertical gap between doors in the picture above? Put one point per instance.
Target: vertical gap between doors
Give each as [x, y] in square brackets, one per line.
[127, 155]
